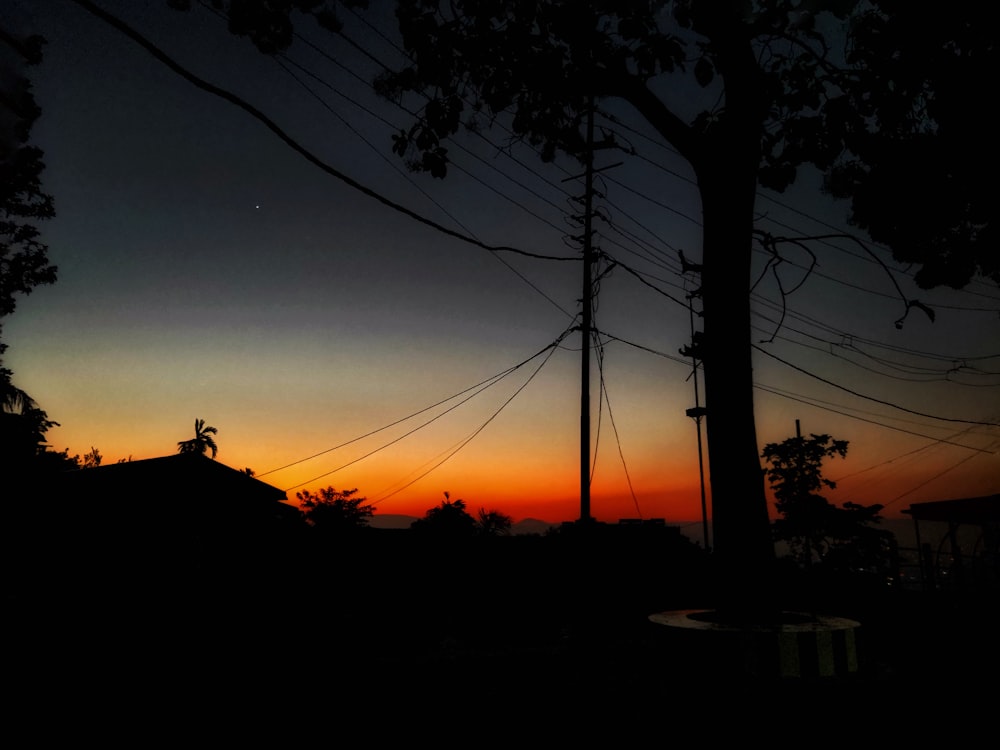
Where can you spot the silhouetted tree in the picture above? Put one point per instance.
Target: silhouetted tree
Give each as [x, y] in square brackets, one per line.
[747, 91]
[12, 398]
[547, 63]
[202, 442]
[923, 150]
[91, 460]
[816, 531]
[335, 510]
[26, 455]
[449, 519]
[777, 95]
[493, 523]
[795, 473]
[24, 262]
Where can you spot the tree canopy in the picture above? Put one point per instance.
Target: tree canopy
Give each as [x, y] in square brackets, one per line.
[817, 531]
[748, 92]
[493, 523]
[883, 96]
[202, 442]
[922, 153]
[335, 510]
[449, 520]
[24, 261]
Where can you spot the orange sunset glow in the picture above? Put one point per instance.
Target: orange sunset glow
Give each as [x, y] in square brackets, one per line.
[206, 271]
[475, 373]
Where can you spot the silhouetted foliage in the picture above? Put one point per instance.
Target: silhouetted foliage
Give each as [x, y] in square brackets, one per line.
[921, 173]
[335, 510]
[24, 262]
[91, 460]
[268, 23]
[23, 428]
[817, 532]
[780, 97]
[747, 92]
[493, 523]
[202, 442]
[449, 519]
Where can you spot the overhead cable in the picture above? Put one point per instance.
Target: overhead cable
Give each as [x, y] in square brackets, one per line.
[291, 142]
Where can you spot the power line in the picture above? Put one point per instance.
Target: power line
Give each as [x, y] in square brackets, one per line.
[478, 388]
[911, 453]
[291, 142]
[354, 102]
[764, 194]
[419, 187]
[816, 404]
[904, 271]
[478, 430]
[647, 349]
[847, 336]
[473, 240]
[476, 132]
[869, 398]
[378, 152]
[929, 375]
[614, 427]
[931, 479]
[639, 276]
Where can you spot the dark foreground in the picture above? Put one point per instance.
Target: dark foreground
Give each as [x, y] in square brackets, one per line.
[531, 638]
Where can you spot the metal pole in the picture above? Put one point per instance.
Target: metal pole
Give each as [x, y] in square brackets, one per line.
[585, 326]
[697, 422]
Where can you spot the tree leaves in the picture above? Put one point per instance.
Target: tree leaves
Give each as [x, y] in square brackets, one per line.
[918, 172]
[333, 510]
[24, 262]
[704, 72]
[814, 528]
[202, 442]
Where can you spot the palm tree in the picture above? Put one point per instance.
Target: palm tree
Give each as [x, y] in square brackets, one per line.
[12, 399]
[202, 440]
[493, 523]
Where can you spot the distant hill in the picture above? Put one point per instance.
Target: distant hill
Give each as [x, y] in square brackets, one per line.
[396, 521]
[531, 526]
[390, 521]
[902, 528]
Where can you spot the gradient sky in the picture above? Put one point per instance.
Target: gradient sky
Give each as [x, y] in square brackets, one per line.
[208, 271]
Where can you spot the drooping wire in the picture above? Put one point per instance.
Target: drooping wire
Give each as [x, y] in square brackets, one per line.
[291, 142]
[870, 398]
[551, 350]
[475, 389]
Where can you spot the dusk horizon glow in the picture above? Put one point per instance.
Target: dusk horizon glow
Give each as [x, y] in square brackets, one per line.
[206, 271]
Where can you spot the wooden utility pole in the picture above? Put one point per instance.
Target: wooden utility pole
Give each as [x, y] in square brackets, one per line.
[586, 320]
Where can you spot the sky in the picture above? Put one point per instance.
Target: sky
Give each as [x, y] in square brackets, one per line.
[208, 271]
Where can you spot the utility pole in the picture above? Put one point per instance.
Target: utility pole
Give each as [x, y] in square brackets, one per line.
[586, 323]
[696, 414]
[694, 350]
[586, 320]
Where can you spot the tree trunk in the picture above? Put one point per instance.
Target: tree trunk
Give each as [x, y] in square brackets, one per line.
[726, 165]
[743, 548]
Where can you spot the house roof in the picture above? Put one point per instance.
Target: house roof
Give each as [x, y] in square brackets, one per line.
[970, 510]
[190, 481]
